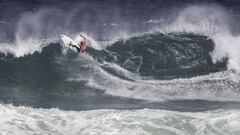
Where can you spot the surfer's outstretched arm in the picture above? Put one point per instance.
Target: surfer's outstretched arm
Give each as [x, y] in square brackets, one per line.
[82, 35]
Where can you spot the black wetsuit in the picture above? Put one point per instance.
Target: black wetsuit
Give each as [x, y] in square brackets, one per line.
[78, 48]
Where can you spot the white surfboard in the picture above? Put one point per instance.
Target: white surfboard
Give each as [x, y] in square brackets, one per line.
[67, 41]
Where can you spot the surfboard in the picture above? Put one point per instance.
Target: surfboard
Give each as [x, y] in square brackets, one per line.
[67, 41]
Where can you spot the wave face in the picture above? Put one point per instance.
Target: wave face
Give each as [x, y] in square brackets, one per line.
[163, 56]
[157, 62]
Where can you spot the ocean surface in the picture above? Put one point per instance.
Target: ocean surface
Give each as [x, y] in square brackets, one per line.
[152, 67]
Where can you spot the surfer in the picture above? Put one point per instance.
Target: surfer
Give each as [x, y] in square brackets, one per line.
[83, 45]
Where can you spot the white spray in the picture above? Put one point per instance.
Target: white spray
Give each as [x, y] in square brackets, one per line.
[214, 22]
[34, 31]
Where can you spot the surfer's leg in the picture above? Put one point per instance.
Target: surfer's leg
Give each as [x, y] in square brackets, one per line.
[82, 49]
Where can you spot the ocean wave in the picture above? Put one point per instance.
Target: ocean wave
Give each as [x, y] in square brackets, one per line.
[218, 26]
[135, 67]
[162, 56]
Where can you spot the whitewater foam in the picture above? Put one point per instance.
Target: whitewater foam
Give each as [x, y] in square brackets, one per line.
[212, 87]
[26, 120]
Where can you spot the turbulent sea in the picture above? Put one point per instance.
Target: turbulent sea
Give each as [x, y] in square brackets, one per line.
[152, 67]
